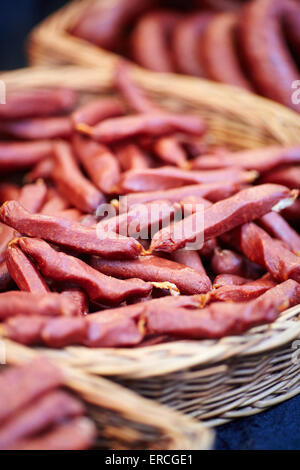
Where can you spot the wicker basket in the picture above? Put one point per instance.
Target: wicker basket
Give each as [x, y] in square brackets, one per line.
[124, 420]
[212, 380]
[51, 44]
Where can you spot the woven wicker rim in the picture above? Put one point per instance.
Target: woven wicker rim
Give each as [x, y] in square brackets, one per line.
[235, 118]
[177, 431]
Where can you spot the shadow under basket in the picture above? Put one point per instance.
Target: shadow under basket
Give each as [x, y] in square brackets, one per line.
[212, 380]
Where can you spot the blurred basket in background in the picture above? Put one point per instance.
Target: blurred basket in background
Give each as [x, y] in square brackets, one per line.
[51, 44]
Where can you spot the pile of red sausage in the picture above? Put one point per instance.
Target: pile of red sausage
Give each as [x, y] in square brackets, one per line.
[252, 44]
[71, 275]
[37, 414]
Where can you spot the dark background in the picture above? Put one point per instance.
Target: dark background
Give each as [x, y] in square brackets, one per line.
[276, 428]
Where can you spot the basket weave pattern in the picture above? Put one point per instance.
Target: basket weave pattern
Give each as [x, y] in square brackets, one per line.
[212, 380]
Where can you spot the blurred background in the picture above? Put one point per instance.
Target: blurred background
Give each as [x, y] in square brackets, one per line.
[17, 18]
[277, 428]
